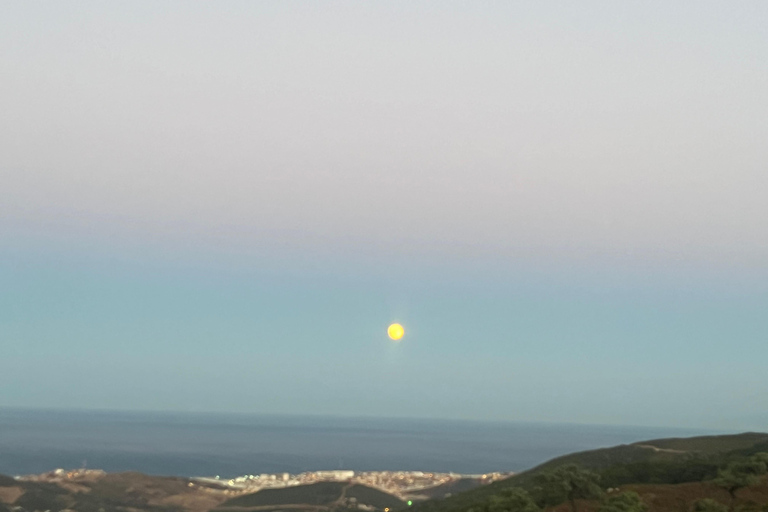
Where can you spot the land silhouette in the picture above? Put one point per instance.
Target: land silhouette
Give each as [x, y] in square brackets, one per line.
[699, 474]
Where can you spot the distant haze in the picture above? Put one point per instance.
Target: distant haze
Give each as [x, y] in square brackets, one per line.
[221, 206]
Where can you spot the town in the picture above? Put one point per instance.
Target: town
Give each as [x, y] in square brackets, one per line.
[406, 485]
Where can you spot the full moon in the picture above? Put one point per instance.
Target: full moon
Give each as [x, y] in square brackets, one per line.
[395, 331]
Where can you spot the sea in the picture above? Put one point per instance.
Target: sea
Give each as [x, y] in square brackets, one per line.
[229, 445]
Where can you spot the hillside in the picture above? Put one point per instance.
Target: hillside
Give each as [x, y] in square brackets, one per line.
[319, 496]
[114, 492]
[450, 488]
[667, 474]
[659, 461]
[136, 492]
[681, 497]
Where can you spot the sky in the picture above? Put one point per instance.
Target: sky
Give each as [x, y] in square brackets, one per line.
[220, 206]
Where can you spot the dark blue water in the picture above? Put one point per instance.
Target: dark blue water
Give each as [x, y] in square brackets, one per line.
[230, 445]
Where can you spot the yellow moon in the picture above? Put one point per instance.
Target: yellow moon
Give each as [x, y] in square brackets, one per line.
[395, 331]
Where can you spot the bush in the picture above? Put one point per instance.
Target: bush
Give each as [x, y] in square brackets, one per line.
[625, 502]
[512, 500]
[709, 505]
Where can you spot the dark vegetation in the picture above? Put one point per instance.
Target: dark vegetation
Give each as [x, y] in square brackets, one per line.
[43, 497]
[665, 474]
[628, 501]
[450, 488]
[322, 494]
[373, 497]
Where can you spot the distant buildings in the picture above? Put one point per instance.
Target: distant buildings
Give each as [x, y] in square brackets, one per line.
[403, 484]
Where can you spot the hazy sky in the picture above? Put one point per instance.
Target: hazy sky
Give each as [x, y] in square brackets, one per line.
[221, 205]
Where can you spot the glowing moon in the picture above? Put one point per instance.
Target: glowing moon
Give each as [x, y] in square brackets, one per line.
[395, 331]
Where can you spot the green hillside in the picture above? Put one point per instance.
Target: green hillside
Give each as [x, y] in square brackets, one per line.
[451, 488]
[321, 493]
[324, 495]
[749, 441]
[373, 497]
[660, 461]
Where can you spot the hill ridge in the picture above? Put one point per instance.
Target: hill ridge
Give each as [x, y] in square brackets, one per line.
[687, 458]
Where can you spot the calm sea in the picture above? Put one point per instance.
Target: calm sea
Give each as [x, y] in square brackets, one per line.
[230, 445]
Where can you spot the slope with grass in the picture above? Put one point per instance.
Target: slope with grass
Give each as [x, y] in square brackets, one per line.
[130, 492]
[682, 497]
[319, 496]
[659, 461]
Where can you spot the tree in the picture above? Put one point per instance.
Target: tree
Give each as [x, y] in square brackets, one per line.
[512, 500]
[625, 502]
[760, 457]
[709, 505]
[740, 474]
[568, 483]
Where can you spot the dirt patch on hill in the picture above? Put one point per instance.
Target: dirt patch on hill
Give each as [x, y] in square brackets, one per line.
[193, 502]
[10, 494]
